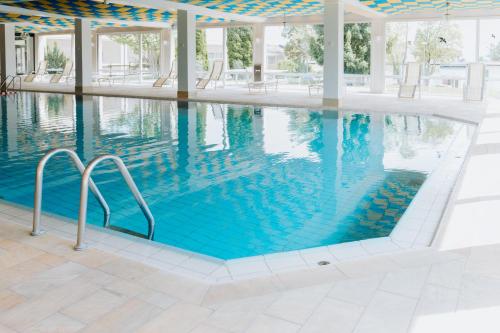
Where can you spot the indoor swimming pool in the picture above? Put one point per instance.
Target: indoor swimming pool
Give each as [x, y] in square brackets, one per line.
[226, 181]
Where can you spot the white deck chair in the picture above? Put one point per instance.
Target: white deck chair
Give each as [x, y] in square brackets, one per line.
[215, 75]
[163, 79]
[40, 71]
[475, 85]
[412, 77]
[68, 68]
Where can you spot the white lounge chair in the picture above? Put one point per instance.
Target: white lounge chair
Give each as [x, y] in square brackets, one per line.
[40, 71]
[476, 81]
[215, 75]
[412, 78]
[68, 68]
[172, 75]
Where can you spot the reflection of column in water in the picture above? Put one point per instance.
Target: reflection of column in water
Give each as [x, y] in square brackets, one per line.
[186, 147]
[165, 126]
[84, 110]
[329, 157]
[376, 141]
[9, 124]
[258, 127]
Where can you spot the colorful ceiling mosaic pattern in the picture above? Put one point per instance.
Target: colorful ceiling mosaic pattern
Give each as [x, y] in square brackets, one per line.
[263, 8]
[98, 10]
[409, 6]
[87, 9]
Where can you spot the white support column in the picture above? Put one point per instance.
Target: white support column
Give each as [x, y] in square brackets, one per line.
[259, 52]
[225, 57]
[141, 57]
[224, 49]
[377, 57]
[477, 57]
[167, 50]
[186, 50]
[83, 55]
[333, 68]
[7, 51]
[40, 45]
[94, 53]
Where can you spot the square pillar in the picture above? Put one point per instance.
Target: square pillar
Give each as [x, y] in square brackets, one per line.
[83, 55]
[167, 50]
[377, 57]
[7, 51]
[259, 51]
[186, 50]
[333, 67]
[225, 56]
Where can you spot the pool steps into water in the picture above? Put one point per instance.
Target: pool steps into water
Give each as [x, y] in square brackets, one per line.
[85, 184]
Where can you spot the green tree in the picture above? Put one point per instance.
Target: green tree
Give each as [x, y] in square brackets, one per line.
[201, 48]
[55, 57]
[437, 43]
[239, 47]
[296, 48]
[356, 47]
[317, 44]
[357, 38]
[396, 45]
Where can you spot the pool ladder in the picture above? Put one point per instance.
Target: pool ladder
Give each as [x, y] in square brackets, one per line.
[84, 189]
[10, 82]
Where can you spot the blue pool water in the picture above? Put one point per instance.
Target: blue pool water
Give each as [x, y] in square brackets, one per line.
[221, 180]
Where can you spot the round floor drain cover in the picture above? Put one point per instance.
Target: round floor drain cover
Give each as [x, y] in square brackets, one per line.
[323, 263]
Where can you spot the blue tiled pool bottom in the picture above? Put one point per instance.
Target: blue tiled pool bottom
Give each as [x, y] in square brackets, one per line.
[221, 180]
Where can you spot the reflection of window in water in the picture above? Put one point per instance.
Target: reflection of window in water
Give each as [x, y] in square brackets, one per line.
[290, 134]
[356, 138]
[215, 128]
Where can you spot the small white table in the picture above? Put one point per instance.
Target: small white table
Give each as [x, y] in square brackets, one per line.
[263, 85]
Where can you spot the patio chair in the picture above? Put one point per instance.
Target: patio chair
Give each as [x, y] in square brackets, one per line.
[412, 78]
[475, 85]
[315, 85]
[68, 68]
[215, 75]
[163, 79]
[40, 71]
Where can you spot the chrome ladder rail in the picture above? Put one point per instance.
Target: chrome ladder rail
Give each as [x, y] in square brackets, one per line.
[84, 188]
[37, 210]
[4, 82]
[13, 82]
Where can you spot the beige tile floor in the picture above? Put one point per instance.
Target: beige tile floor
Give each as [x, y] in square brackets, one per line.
[45, 286]
[453, 286]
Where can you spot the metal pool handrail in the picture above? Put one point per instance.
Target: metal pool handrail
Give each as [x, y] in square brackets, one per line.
[82, 217]
[37, 210]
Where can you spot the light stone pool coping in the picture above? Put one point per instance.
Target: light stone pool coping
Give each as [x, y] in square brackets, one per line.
[415, 230]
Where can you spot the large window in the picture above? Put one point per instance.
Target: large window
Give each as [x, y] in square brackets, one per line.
[444, 48]
[489, 52]
[56, 49]
[131, 57]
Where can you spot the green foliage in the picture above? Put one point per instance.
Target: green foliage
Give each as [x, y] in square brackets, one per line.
[430, 49]
[396, 45]
[55, 57]
[356, 47]
[296, 48]
[201, 49]
[317, 44]
[239, 47]
[357, 38]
